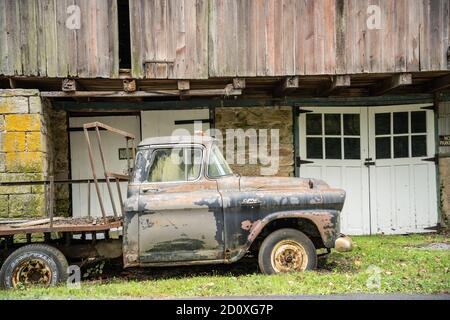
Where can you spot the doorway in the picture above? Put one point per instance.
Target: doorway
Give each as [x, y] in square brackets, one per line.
[381, 156]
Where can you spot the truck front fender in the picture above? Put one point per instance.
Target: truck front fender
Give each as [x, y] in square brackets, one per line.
[326, 221]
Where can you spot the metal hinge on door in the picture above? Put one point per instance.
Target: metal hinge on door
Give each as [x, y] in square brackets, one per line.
[299, 161]
[434, 159]
[368, 162]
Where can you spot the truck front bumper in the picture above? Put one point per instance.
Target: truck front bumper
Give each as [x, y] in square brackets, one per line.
[343, 243]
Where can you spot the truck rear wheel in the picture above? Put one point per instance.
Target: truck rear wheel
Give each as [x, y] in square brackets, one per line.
[34, 264]
[287, 250]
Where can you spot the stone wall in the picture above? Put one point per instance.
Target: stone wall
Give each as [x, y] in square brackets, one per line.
[260, 118]
[23, 153]
[33, 146]
[444, 163]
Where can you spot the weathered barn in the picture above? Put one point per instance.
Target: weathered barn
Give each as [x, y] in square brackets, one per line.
[359, 91]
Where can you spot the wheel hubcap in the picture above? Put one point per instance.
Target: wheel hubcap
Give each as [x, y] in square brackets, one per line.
[32, 272]
[289, 256]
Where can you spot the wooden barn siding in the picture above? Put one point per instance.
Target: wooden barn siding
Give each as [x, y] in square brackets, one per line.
[302, 37]
[173, 31]
[37, 42]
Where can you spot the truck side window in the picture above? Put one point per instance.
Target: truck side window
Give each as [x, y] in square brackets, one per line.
[217, 165]
[175, 164]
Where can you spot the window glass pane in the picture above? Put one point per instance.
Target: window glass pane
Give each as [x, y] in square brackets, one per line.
[314, 124]
[175, 164]
[351, 124]
[333, 148]
[352, 148]
[217, 165]
[383, 148]
[419, 146]
[382, 123]
[314, 148]
[418, 121]
[401, 147]
[333, 124]
[400, 122]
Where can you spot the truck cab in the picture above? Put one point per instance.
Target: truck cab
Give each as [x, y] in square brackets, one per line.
[186, 206]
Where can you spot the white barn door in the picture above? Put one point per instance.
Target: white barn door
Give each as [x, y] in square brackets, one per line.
[402, 181]
[333, 146]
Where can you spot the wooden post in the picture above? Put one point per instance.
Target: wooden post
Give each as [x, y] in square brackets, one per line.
[337, 82]
[129, 85]
[287, 84]
[69, 85]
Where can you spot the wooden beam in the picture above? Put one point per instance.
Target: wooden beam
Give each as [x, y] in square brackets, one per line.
[286, 85]
[239, 83]
[69, 85]
[397, 80]
[227, 91]
[129, 85]
[183, 85]
[337, 82]
[246, 102]
[439, 84]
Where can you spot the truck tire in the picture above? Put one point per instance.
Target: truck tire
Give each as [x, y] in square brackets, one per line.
[33, 264]
[287, 250]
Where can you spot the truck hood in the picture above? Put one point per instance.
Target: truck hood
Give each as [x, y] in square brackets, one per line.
[280, 183]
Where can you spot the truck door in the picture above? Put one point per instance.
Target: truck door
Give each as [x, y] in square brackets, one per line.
[181, 216]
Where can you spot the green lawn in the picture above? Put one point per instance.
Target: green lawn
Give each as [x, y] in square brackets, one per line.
[403, 267]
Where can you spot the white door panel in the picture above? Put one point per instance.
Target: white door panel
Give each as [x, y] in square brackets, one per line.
[348, 174]
[403, 187]
[81, 168]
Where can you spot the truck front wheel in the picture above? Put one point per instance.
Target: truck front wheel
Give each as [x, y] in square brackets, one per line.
[287, 250]
[34, 264]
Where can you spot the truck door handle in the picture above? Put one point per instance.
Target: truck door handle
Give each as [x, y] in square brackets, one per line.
[146, 190]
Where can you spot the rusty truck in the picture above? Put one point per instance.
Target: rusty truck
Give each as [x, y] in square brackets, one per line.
[183, 206]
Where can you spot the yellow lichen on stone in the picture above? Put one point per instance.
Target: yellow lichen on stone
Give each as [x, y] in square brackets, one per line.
[24, 162]
[33, 140]
[23, 122]
[13, 142]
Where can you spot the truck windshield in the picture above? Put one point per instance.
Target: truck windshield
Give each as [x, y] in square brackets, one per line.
[217, 165]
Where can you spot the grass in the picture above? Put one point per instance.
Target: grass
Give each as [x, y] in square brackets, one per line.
[403, 267]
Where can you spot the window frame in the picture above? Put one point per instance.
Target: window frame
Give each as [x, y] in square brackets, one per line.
[210, 151]
[151, 157]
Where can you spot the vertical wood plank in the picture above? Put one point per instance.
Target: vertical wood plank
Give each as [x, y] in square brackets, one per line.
[83, 39]
[299, 37]
[13, 37]
[180, 54]
[136, 39]
[270, 42]
[4, 56]
[279, 36]
[388, 38]
[288, 27]
[412, 36]
[261, 37]
[28, 37]
[400, 35]
[329, 37]
[113, 39]
[436, 38]
[425, 36]
[252, 35]
[340, 27]
[242, 36]
[202, 38]
[309, 20]
[62, 37]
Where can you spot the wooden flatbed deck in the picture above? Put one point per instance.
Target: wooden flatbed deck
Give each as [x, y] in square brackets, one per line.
[64, 225]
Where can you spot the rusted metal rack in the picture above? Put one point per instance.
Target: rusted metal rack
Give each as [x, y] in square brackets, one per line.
[71, 226]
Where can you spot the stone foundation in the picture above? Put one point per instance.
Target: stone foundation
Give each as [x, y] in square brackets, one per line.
[23, 153]
[33, 146]
[259, 118]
